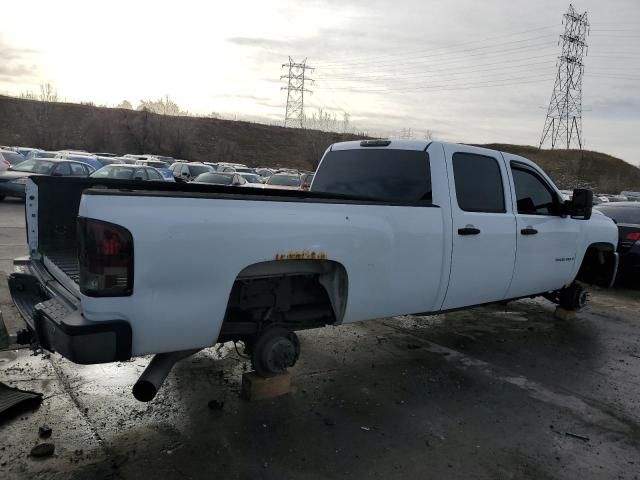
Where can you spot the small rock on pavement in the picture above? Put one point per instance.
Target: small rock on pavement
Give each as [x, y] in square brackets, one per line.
[44, 431]
[329, 422]
[216, 404]
[43, 450]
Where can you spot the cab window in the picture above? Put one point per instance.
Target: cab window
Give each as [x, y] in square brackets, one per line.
[478, 183]
[533, 195]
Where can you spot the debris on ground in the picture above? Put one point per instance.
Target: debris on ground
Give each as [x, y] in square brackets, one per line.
[329, 422]
[44, 431]
[366, 429]
[13, 400]
[578, 436]
[43, 450]
[216, 404]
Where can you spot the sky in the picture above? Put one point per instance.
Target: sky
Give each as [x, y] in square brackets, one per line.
[459, 70]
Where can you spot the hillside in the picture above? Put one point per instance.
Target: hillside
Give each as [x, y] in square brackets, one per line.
[580, 168]
[55, 126]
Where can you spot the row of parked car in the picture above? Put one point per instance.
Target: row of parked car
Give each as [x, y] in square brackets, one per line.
[18, 163]
[599, 198]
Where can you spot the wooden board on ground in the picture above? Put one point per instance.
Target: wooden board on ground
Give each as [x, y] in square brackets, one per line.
[255, 387]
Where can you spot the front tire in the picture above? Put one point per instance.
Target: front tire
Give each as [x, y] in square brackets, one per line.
[574, 297]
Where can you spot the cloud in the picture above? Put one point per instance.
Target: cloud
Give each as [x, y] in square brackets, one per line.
[257, 42]
[16, 63]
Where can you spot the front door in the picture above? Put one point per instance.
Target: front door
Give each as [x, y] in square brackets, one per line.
[546, 241]
[484, 227]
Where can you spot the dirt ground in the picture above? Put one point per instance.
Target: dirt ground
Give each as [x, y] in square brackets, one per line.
[489, 393]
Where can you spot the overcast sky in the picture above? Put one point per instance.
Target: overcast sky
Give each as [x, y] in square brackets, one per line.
[466, 70]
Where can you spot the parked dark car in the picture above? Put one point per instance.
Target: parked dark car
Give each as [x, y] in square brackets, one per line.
[220, 178]
[129, 172]
[283, 181]
[627, 217]
[12, 181]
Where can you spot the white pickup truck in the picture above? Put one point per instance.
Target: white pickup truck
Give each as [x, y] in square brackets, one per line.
[120, 269]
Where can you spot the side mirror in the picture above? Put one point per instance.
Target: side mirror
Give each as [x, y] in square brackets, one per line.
[581, 204]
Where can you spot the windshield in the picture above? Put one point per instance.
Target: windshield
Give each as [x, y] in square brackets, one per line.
[122, 173]
[45, 155]
[198, 169]
[12, 157]
[284, 180]
[156, 164]
[35, 166]
[251, 177]
[620, 214]
[215, 178]
[380, 174]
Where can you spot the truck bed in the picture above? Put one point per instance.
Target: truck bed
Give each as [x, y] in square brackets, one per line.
[67, 261]
[58, 201]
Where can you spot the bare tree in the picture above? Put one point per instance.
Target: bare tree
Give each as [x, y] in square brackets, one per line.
[163, 106]
[125, 104]
[48, 93]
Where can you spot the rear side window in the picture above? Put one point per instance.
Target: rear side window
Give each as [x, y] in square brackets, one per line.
[78, 170]
[385, 175]
[140, 174]
[153, 175]
[62, 169]
[478, 183]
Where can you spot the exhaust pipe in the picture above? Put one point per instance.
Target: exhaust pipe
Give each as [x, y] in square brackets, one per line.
[154, 375]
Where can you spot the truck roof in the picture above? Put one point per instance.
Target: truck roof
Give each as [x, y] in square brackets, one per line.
[402, 144]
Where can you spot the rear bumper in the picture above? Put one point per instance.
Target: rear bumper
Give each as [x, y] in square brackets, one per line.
[58, 324]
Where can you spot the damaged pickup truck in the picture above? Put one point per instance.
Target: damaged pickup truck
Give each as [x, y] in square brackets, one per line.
[121, 269]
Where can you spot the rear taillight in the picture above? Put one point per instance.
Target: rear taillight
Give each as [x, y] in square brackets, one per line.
[634, 237]
[105, 254]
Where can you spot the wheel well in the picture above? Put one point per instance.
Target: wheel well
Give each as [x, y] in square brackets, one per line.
[599, 265]
[294, 294]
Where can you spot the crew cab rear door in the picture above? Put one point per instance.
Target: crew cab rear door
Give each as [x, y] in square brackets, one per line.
[546, 241]
[484, 227]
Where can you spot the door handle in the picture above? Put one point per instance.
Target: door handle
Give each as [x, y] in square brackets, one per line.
[468, 231]
[528, 231]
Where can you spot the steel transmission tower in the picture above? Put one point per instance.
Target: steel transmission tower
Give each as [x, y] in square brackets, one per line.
[563, 125]
[296, 77]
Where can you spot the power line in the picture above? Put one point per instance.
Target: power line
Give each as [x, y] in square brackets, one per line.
[422, 58]
[564, 115]
[448, 73]
[452, 86]
[296, 78]
[397, 55]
